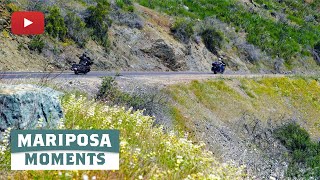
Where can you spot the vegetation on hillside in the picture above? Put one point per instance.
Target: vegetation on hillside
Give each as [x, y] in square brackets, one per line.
[55, 25]
[96, 20]
[287, 39]
[63, 24]
[304, 152]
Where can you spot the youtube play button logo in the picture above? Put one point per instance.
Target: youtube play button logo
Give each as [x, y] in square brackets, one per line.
[27, 23]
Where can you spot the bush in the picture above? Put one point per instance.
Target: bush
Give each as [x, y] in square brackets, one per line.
[182, 29]
[77, 29]
[293, 137]
[98, 20]
[305, 154]
[212, 39]
[55, 25]
[126, 5]
[38, 5]
[147, 101]
[11, 7]
[36, 44]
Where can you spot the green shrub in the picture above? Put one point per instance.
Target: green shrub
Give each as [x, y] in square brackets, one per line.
[55, 25]
[77, 29]
[212, 39]
[98, 20]
[126, 5]
[36, 44]
[148, 101]
[11, 7]
[304, 153]
[182, 29]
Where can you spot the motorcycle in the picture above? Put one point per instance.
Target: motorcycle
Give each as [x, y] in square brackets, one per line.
[84, 65]
[218, 67]
[80, 68]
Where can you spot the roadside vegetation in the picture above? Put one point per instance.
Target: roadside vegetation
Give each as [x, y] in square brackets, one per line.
[149, 100]
[146, 151]
[304, 152]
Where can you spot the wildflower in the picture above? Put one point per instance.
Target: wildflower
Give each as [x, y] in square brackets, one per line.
[140, 177]
[40, 123]
[138, 150]
[61, 124]
[139, 122]
[85, 177]
[123, 143]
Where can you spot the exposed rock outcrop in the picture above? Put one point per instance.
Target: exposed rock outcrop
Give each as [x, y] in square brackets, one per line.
[21, 106]
[165, 53]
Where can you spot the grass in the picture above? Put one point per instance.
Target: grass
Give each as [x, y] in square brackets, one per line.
[146, 151]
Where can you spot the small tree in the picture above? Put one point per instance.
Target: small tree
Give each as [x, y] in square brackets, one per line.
[212, 39]
[97, 19]
[77, 29]
[182, 29]
[55, 25]
[36, 44]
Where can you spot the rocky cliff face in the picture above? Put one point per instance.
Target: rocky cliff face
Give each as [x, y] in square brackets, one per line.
[21, 106]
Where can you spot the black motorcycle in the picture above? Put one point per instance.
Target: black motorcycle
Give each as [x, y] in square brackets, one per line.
[80, 68]
[84, 65]
[218, 67]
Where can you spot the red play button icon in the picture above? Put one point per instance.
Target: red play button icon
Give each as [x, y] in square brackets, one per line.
[27, 23]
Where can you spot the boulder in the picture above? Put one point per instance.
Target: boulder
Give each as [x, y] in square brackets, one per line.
[21, 106]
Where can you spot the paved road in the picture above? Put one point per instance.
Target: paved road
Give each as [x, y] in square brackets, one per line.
[38, 75]
[97, 74]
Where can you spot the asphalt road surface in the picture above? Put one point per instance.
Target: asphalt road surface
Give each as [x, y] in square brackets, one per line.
[97, 74]
[39, 75]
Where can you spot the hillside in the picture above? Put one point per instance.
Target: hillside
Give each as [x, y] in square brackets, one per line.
[243, 119]
[250, 36]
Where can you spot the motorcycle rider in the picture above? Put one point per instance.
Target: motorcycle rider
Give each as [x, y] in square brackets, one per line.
[85, 59]
[84, 64]
[222, 64]
[218, 66]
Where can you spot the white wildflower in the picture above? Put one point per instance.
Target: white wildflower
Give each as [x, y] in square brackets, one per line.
[40, 123]
[61, 124]
[85, 177]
